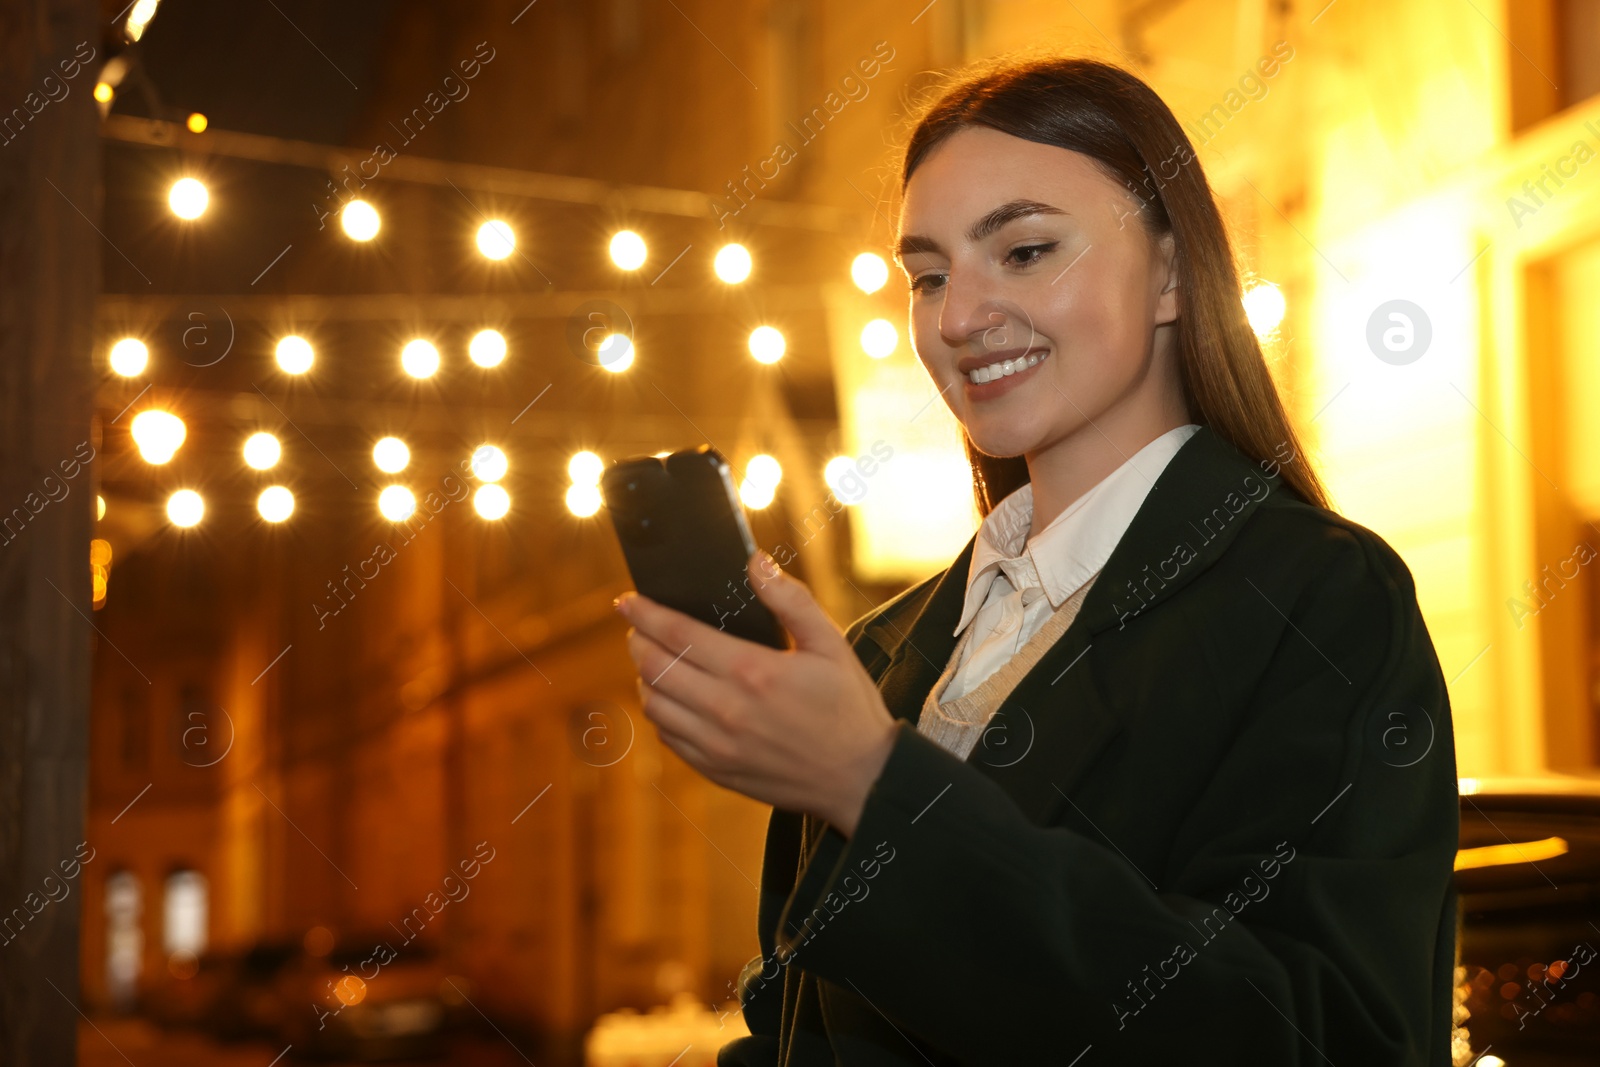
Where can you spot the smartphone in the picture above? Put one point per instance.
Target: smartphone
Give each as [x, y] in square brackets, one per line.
[686, 540]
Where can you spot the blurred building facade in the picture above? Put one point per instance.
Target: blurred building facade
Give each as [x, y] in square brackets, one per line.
[322, 721]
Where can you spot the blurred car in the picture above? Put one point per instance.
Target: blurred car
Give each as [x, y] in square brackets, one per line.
[369, 999]
[1528, 875]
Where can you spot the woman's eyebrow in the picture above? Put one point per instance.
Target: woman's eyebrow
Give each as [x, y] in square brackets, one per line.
[1007, 212]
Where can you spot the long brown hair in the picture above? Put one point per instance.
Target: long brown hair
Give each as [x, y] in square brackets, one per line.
[1111, 116]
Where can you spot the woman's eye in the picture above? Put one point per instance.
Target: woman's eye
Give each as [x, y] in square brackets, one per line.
[1027, 254]
[924, 283]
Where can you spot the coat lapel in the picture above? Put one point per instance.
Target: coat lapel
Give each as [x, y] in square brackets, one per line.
[1050, 728]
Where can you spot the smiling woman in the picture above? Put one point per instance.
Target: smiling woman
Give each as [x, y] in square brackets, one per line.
[1160, 665]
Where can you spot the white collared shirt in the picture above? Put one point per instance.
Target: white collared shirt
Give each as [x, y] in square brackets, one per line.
[1015, 584]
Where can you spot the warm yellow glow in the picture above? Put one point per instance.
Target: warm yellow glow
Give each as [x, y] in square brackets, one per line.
[487, 348]
[496, 240]
[295, 355]
[732, 263]
[391, 455]
[585, 468]
[834, 472]
[491, 501]
[616, 353]
[350, 990]
[185, 508]
[763, 470]
[767, 344]
[129, 357]
[188, 198]
[99, 568]
[360, 220]
[1508, 853]
[869, 272]
[489, 463]
[755, 497]
[103, 92]
[628, 250]
[879, 338]
[583, 500]
[139, 17]
[100, 506]
[99, 552]
[420, 359]
[1264, 307]
[158, 434]
[275, 503]
[396, 503]
[197, 122]
[262, 451]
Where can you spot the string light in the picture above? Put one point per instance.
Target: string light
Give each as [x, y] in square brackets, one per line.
[732, 263]
[489, 463]
[391, 455]
[616, 353]
[276, 503]
[100, 506]
[185, 508]
[360, 220]
[760, 485]
[869, 272]
[496, 239]
[103, 92]
[420, 359]
[158, 434]
[129, 357]
[295, 355]
[628, 250]
[262, 451]
[767, 344]
[487, 348]
[188, 198]
[583, 500]
[197, 122]
[585, 468]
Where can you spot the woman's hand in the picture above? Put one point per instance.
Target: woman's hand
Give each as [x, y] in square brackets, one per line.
[803, 729]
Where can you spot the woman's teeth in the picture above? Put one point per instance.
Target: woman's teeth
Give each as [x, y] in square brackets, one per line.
[1005, 367]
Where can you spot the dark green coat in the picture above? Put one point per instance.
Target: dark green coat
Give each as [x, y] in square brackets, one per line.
[1215, 824]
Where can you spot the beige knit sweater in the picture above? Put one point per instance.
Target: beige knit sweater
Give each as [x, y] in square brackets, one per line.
[957, 725]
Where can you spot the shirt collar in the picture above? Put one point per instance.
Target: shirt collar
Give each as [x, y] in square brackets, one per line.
[1077, 543]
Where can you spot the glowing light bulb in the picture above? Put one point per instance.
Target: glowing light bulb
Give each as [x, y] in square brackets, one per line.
[276, 503]
[129, 357]
[360, 220]
[767, 344]
[879, 338]
[197, 122]
[391, 455]
[732, 263]
[185, 508]
[628, 250]
[295, 355]
[496, 240]
[396, 503]
[487, 348]
[1264, 306]
[262, 451]
[158, 434]
[755, 496]
[763, 470]
[491, 501]
[869, 272]
[188, 198]
[103, 92]
[420, 359]
[583, 500]
[616, 353]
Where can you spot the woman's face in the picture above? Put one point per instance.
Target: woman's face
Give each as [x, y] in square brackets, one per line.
[1023, 251]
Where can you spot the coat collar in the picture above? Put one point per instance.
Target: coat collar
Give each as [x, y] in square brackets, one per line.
[1048, 730]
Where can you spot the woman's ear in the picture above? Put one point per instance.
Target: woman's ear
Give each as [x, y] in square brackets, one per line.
[1164, 267]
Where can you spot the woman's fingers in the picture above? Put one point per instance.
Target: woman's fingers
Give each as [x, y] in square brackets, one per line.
[792, 603]
[676, 675]
[682, 729]
[705, 646]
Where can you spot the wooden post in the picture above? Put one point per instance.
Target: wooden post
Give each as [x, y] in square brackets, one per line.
[50, 259]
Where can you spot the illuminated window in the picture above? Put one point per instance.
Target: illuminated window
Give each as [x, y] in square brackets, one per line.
[124, 938]
[183, 914]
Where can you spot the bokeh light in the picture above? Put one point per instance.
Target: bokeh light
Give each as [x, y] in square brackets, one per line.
[732, 264]
[197, 122]
[1264, 306]
[869, 272]
[879, 338]
[628, 250]
[767, 344]
[496, 240]
[491, 501]
[396, 503]
[583, 500]
[185, 508]
[360, 220]
[276, 503]
[129, 357]
[487, 348]
[420, 359]
[585, 468]
[295, 355]
[489, 463]
[188, 198]
[262, 451]
[391, 455]
[616, 353]
[158, 434]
